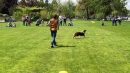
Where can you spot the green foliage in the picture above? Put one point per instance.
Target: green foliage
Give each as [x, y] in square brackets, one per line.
[99, 16]
[54, 2]
[103, 6]
[25, 10]
[30, 3]
[35, 16]
[43, 14]
[1, 5]
[21, 12]
[17, 15]
[80, 14]
[1, 15]
[13, 9]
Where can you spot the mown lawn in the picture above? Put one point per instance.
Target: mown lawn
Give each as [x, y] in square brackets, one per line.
[26, 49]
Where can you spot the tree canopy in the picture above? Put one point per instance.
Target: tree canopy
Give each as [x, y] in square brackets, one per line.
[84, 8]
[106, 7]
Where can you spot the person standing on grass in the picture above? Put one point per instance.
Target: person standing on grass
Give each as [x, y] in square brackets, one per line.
[53, 23]
[113, 20]
[23, 20]
[26, 21]
[64, 19]
[119, 20]
[60, 20]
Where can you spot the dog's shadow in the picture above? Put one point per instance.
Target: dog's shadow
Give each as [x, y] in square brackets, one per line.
[79, 37]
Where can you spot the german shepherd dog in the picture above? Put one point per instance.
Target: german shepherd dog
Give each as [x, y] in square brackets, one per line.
[79, 33]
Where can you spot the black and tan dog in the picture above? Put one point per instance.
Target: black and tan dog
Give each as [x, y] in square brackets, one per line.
[79, 33]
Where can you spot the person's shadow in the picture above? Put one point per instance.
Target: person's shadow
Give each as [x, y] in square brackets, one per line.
[58, 46]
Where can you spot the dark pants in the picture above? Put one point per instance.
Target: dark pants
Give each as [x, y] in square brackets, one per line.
[24, 23]
[53, 35]
[119, 22]
[64, 22]
[60, 23]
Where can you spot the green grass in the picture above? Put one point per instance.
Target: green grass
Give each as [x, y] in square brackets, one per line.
[26, 49]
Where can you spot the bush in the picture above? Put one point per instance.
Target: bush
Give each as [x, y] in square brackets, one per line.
[17, 15]
[99, 16]
[35, 16]
[1, 15]
[43, 14]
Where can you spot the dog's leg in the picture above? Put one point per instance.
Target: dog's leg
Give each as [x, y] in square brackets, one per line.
[73, 35]
[84, 36]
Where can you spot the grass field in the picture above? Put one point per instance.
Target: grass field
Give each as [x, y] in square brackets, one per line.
[26, 49]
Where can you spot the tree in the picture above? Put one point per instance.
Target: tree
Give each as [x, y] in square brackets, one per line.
[102, 7]
[55, 5]
[70, 8]
[7, 4]
[29, 3]
[84, 4]
[54, 2]
[119, 7]
[1, 6]
[42, 3]
[46, 5]
[22, 3]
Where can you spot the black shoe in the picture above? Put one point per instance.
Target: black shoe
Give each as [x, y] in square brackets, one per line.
[52, 46]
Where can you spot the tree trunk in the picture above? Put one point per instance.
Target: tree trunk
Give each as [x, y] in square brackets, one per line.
[87, 15]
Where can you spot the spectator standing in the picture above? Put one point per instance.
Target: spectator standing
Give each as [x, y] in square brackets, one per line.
[26, 21]
[64, 19]
[23, 20]
[116, 20]
[60, 20]
[113, 20]
[119, 20]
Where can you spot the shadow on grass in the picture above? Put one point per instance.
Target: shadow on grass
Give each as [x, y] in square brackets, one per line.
[79, 38]
[64, 46]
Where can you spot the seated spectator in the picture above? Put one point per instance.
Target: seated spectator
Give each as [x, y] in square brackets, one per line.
[103, 23]
[14, 25]
[38, 22]
[42, 22]
[70, 23]
[9, 24]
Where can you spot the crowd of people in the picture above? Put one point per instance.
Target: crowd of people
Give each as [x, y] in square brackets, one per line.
[116, 19]
[61, 21]
[11, 25]
[26, 21]
[57, 21]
